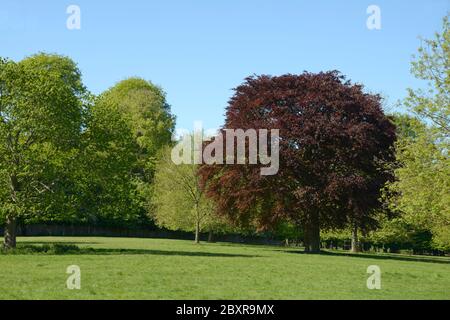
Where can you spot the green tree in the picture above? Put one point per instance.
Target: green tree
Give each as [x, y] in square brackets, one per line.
[433, 66]
[423, 178]
[143, 108]
[423, 184]
[105, 163]
[41, 112]
[180, 202]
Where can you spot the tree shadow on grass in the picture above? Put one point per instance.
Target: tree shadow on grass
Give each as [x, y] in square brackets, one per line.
[25, 243]
[105, 251]
[66, 248]
[376, 256]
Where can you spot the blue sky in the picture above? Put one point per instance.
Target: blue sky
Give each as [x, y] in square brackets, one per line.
[199, 50]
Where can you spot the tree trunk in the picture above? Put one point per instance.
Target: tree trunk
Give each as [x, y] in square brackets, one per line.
[197, 224]
[312, 234]
[355, 243]
[211, 236]
[10, 233]
[306, 237]
[197, 232]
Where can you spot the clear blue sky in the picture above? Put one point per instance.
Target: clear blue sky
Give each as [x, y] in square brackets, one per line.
[199, 50]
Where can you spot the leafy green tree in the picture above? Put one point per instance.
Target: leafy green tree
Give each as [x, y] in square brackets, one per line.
[105, 164]
[41, 112]
[423, 184]
[433, 66]
[148, 117]
[124, 129]
[423, 178]
[180, 202]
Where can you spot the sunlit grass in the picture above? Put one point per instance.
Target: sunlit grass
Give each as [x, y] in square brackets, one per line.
[130, 268]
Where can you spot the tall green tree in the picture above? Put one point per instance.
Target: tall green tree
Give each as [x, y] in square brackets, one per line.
[432, 64]
[41, 112]
[423, 178]
[104, 180]
[146, 113]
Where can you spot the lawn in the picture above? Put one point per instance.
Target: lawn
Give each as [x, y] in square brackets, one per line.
[130, 268]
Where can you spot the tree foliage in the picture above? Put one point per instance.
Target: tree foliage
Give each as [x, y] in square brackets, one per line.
[126, 128]
[432, 64]
[334, 143]
[422, 185]
[180, 202]
[41, 111]
[104, 180]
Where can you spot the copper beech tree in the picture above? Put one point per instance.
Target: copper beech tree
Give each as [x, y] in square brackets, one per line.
[334, 146]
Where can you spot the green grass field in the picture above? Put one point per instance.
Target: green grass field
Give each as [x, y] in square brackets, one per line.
[128, 268]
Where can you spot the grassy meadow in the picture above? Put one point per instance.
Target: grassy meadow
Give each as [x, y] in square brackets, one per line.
[131, 268]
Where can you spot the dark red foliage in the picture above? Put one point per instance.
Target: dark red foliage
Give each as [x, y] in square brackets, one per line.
[335, 140]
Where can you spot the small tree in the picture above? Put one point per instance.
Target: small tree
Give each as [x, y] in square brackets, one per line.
[423, 184]
[180, 204]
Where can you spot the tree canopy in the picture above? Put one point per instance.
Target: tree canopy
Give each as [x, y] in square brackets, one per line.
[41, 111]
[180, 202]
[127, 126]
[335, 142]
[422, 187]
[432, 64]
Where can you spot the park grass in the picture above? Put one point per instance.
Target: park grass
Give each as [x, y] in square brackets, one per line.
[131, 268]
